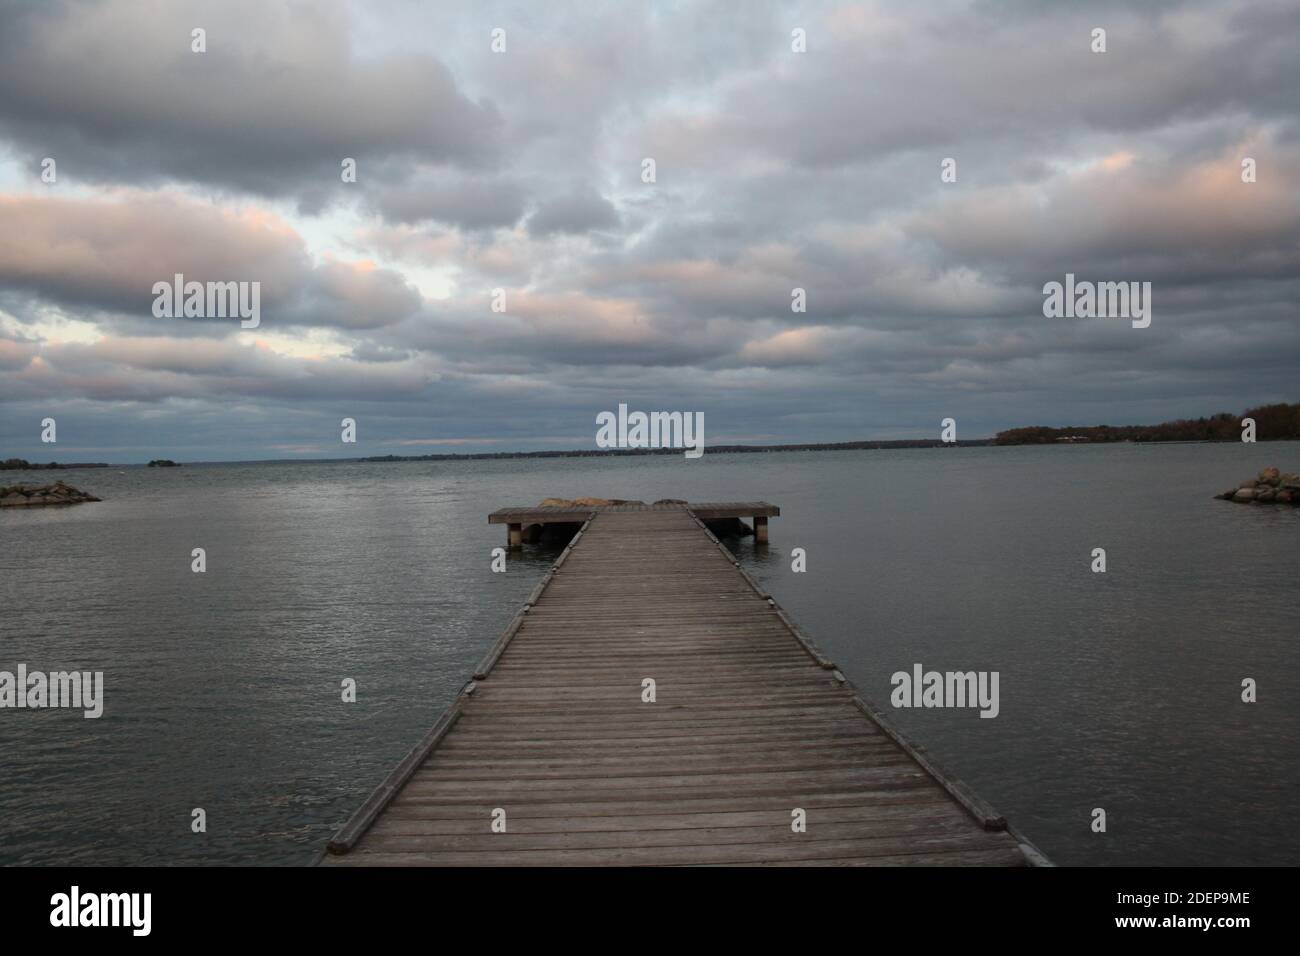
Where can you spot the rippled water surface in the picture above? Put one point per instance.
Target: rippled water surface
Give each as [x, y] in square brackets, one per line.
[1118, 690]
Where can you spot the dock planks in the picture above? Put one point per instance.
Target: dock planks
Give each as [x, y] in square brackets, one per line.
[704, 510]
[750, 722]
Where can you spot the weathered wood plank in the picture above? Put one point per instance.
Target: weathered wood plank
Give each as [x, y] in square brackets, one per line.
[749, 721]
[896, 852]
[884, 837]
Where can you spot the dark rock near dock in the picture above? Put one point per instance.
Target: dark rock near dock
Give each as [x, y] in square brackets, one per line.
[26, 496]
[1270, 486]
[729, 528]
[559, 533]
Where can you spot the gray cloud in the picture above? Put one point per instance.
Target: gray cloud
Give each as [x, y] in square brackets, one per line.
[470, 203]
[113, 91]
[576, 212]
[107, 254]
[521, 171]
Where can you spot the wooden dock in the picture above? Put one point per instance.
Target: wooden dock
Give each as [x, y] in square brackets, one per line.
[516, 519]
[553, 740]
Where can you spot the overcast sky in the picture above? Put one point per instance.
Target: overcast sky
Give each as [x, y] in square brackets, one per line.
[522, 171]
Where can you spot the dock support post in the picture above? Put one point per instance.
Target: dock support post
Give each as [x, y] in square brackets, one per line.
[760, 530]
[514, 536]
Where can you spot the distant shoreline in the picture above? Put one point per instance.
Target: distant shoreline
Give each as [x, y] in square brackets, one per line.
[1278, 422]
[711, 450]
[901, 444]
[19, 464]
[754, 449]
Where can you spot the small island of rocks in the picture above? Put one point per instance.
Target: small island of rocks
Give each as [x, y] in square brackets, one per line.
[17, 496]
[163, 463]
[1271, 486]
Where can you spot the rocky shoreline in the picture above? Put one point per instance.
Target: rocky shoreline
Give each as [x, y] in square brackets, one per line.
[1271, 486]
[19, 496]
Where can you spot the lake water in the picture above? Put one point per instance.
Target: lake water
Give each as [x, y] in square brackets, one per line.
[1118, 690]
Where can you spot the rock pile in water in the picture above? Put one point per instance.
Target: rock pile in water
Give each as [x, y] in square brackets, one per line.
[12, 496]
[584, 502]
[1270, 487]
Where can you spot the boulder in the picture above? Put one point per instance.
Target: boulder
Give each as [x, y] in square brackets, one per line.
[1272, 486]
[585, 502]
[56, 494]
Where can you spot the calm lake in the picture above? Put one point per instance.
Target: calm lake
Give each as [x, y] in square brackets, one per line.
[1119, 690]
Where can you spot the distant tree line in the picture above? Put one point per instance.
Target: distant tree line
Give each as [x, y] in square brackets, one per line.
[22, 464]
[1272, 423]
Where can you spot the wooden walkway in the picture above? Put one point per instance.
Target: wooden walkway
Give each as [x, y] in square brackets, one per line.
[750, 723]
[517, 518]
[705, 510]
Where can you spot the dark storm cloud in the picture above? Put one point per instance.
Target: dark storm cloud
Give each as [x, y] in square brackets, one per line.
[943, 75]
[113, 91]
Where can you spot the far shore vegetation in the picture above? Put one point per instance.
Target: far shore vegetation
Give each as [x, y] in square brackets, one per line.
[20, 464]
[1272, 423]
